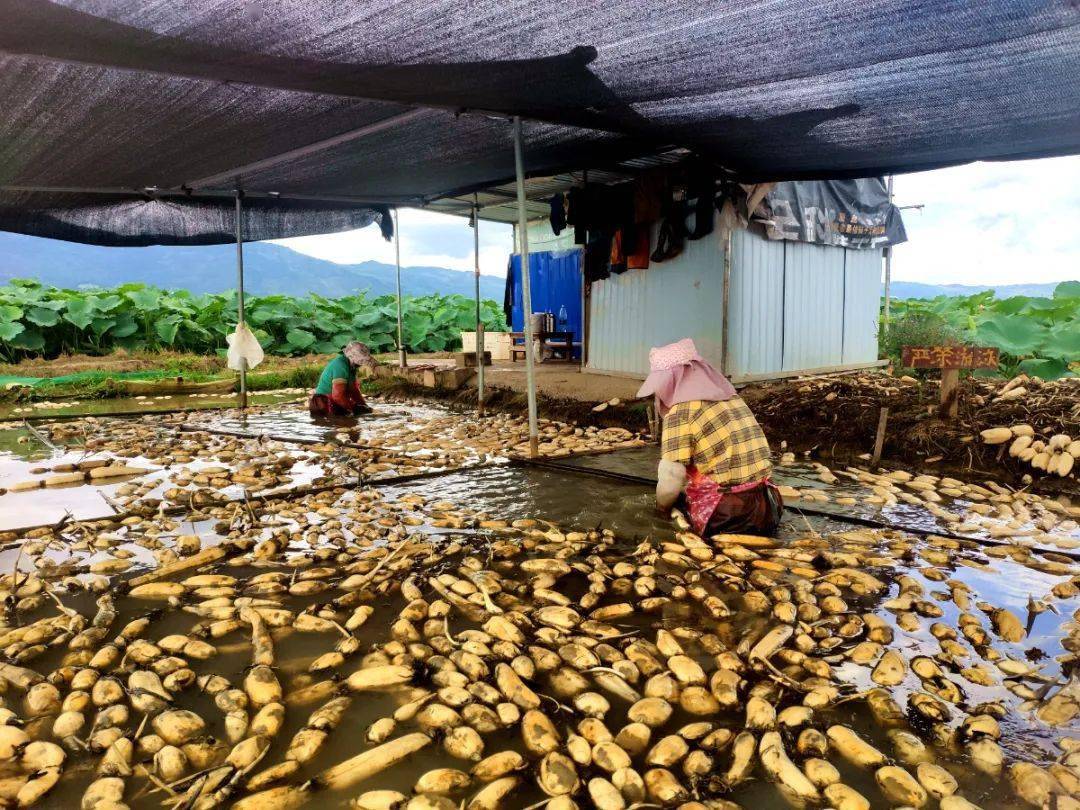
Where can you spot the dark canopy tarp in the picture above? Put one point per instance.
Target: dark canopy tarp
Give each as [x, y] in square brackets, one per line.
[195, 93]
[124, 221]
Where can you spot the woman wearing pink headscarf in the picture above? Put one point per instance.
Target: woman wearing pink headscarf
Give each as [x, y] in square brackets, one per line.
[713, 450]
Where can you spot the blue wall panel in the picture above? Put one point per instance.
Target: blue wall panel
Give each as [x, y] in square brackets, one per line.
[555, 279]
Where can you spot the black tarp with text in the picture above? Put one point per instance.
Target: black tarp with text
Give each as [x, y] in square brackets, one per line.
[845, 213]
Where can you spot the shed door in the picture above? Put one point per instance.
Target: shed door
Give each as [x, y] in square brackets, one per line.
[813, 306]
[756, 330]
[862, 300]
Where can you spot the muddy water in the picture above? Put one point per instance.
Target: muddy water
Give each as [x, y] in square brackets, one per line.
[21, 452]
[299, 424]
[571, 501]
[23, 457]
[577, 502]
[89, 501]
[642, 463]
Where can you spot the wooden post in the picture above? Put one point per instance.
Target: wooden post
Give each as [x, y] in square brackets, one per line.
[879, 439]
[950, 393]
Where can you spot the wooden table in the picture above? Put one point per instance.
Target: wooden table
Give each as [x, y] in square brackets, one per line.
[555, 341]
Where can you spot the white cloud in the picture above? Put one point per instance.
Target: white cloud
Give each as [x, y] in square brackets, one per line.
[427, 239]
[992, 223]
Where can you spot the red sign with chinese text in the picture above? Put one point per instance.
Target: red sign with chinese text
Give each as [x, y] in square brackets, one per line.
[949, 357]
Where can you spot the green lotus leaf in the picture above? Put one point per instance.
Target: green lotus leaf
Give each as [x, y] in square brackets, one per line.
[9, 329]
[42, 316]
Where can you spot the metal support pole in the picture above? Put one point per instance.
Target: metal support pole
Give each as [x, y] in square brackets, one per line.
[888, 267]
[584, 303]
[479, 317]
[240, 290]
[526, 292]
[397, 263]
[581, 357]
[725, 332]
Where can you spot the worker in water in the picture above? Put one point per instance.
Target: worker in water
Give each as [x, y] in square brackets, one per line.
[713, 452]
[337, 393]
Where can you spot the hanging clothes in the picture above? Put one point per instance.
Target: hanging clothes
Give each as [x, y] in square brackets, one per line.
[618, 254]
[601, 208]
[597, 214]
[596, 261]
[649, 192]
[670, 240]
[558, 213]
[637, 257]
[702, 190]
[508, 294]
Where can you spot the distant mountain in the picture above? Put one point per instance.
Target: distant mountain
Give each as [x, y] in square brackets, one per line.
[268, 270]
[915, 289]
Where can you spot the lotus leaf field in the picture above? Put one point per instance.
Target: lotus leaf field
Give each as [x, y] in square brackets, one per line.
[38, 320]
[1037, 336]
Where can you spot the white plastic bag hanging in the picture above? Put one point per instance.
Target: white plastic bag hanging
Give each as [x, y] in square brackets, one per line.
[243, 345]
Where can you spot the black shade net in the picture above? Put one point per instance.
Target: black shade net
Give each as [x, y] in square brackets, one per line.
[128, 221]
[192, 93]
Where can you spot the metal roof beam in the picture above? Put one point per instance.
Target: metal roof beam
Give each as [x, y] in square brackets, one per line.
[305, 151]
[152, 192]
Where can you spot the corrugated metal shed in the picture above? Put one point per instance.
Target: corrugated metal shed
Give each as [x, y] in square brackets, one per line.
[632, 312]
[756, 328]
[813, 306]
[794, 307]
[862, 298]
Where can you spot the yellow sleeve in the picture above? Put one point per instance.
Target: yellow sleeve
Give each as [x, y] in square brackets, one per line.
[678, 441]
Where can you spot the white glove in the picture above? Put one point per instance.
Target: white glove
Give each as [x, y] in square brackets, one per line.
[671, 476]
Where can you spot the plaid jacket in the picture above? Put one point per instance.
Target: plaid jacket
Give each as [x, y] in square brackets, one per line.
[721, 439]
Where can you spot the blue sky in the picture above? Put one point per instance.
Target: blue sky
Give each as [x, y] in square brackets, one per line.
[983, 223]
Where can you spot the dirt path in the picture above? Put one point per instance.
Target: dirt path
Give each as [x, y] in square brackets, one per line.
[563, 381]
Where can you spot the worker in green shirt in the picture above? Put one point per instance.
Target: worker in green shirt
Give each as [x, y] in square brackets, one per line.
[337, 393]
